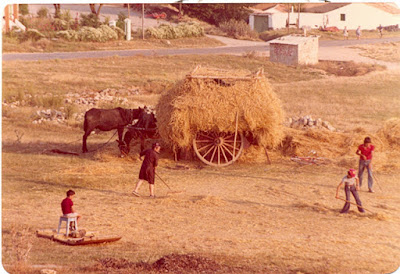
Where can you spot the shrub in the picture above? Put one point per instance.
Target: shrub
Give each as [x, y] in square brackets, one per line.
[90, 20]
[23, 9]
[238, 29]
[66, 15]
[32, 34]
[43, 13]
[120, 33]
[88, 34]
[60, 24]
[120, 21]
[172, 32]
[69, 35]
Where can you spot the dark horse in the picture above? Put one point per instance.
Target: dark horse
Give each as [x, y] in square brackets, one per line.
[108, 119]
[145, 128]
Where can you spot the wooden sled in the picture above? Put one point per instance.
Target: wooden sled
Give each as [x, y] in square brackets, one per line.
[89, 238]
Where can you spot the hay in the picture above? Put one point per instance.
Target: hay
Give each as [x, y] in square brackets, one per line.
[390, 132]
[208, 100]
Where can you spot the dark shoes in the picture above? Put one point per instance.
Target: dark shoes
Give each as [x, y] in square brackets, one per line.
[370, 190]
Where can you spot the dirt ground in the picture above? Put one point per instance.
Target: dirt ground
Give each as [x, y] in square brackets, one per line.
[266, 218]
[245, 218]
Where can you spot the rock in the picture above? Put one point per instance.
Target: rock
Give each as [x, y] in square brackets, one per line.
[48, 271]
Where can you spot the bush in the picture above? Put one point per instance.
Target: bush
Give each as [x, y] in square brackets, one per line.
[60, 24]
[23, 9]
[172, 32]
[238, 29]
[120, 21]
[88, 34]
[66, 15]
[90, 20]
[69, 35]
[43, 13]
[32, 34]
[120, 32]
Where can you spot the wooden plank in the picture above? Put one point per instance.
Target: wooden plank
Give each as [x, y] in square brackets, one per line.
[250, 78]
[89, 238]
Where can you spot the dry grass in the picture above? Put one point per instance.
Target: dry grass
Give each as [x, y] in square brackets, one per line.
[45, 45]
[389, 52]
[327, 35]
[278, 218]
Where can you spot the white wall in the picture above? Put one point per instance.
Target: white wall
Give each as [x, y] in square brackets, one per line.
[358, 14]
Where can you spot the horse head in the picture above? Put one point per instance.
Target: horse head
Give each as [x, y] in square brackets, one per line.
[123, 148]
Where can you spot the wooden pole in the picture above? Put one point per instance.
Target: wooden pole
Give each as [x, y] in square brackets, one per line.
[266, 152]
[236, 129]
[354, 204]
[288, 18]
[129, 12]
[143, 21]
[376, 180]
[298, 18]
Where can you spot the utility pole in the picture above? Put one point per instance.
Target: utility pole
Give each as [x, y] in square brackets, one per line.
[298, 18]
[142, 21]
[288, 18]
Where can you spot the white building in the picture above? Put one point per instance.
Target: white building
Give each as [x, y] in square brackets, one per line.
[315, 15]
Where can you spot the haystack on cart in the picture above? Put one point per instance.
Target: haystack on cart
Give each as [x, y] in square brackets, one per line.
[216, 112]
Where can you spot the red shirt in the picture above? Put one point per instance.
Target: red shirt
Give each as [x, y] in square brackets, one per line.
[366, 151]
[66, 206]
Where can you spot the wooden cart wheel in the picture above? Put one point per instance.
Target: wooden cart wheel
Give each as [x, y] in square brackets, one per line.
[218, 149]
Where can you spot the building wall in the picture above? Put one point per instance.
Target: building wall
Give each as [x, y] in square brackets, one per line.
[358, 14]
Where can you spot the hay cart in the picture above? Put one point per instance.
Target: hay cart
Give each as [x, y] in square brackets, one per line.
[219, 113]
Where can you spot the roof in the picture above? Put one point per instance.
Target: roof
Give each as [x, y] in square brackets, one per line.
[321, 7]
[292, 40]
[388, 7]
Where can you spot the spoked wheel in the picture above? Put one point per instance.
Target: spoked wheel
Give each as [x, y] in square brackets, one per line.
[218, 149]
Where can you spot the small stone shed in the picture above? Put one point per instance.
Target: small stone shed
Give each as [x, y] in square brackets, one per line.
[294, 50]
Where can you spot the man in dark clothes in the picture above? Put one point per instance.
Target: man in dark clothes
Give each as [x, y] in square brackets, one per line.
[148, 169]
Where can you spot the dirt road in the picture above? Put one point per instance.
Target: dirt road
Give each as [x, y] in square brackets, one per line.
[328, 50]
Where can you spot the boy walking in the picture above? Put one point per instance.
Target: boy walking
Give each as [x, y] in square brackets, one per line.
[365, 152]
[351, 185]
[148, 168]
[67, 207]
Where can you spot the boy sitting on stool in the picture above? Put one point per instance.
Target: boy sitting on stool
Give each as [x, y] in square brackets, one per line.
[67, 209]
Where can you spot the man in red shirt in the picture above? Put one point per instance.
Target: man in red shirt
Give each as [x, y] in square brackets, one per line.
[365, 152]
[67, 206]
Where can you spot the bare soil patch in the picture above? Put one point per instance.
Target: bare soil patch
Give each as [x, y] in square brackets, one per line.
[346, 68]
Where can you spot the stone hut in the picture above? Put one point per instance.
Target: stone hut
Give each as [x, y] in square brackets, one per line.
[294, 50]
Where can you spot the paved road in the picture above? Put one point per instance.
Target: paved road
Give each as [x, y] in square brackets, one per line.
[231, 48]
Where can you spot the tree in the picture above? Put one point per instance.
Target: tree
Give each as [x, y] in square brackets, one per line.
[93, 9]
[217, 13]
[57, 10]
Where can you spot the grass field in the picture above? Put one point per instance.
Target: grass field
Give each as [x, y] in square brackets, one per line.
[250, 216]
[46, 45]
